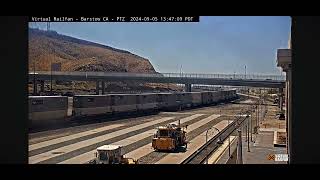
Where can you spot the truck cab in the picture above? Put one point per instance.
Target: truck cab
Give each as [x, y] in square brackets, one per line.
[111, 154]
[108, 154]
[169, 138]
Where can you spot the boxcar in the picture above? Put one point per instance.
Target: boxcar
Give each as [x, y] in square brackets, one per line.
[196, 99]
[185, 99]
[167, 101]
[47, 109]
[216, 97]
[86, 105]
[147, 102]
[205, 97]
[122, 103]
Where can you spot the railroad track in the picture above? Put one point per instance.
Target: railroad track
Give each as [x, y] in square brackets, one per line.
[207, 149]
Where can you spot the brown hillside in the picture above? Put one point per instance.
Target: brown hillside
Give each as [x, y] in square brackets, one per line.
[79, 55]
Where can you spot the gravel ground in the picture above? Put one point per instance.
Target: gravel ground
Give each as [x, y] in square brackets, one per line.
[226, 109]
[52, 134]
[80, 151]
[148, 139]
[271, 121]
[153, 157]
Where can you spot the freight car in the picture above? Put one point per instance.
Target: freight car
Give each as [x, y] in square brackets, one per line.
[47, 109]
[216, 97]
[124, 103]
[184, 100]
[86, 105]
[167, 101]
[196, 99]
[206, 97]
[147, 102]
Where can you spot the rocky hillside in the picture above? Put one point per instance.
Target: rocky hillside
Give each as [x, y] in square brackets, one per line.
[80, 55]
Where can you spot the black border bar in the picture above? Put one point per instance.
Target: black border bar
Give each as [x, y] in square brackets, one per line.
[114, 18]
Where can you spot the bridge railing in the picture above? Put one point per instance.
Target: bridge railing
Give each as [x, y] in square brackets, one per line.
[160, 75]
[227, 76]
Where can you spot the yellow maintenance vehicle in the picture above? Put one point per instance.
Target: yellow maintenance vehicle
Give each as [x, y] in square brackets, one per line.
[111, 154]
[169, 138]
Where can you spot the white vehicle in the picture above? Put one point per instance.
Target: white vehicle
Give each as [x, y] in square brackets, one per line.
[111, 154]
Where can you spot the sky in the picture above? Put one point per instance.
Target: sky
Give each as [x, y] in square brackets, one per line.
[216, 44]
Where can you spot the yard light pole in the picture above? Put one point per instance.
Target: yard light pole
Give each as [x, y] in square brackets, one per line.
[248, 135]
[251, 126]
[239, 149]
[229, 142]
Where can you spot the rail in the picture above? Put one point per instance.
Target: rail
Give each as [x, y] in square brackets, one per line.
[168, 75]
[204, 151]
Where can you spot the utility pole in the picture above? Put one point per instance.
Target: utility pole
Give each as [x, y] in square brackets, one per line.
[245, 75]
[229, 141]
[248, 140]
[258, 112]
[245, 72]
[251, 127]
[239, 149]
[245, 127]
[206, 143]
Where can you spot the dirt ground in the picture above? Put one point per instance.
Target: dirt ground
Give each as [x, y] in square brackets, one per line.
[271, 120]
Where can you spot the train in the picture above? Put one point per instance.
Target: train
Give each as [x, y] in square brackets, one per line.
[46, 109]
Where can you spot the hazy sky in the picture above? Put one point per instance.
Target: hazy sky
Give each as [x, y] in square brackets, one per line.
[213, 45]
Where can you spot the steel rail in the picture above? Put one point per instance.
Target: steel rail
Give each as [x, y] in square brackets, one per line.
[205, 150]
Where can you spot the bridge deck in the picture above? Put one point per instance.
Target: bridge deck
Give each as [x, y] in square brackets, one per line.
[207, 79]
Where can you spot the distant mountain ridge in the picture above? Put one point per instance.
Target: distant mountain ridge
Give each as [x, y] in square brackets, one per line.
[55, 35]
[46, 47]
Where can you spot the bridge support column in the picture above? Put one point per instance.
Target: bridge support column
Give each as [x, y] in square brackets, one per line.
[187, 87]
[103, 87]
[35, 88]
[41, 86]
[97, 87]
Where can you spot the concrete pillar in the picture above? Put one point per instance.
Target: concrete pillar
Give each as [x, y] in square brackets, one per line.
[286, 117]
[97, 87]
[187, 87]
[289, 119]
[41, 86]
[103, 87]
[35, 88]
